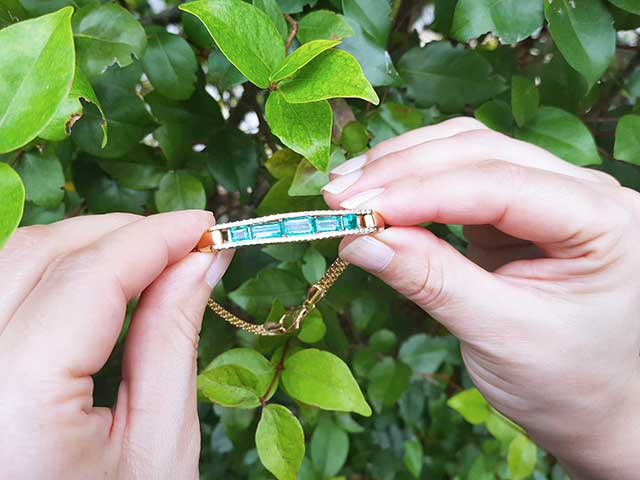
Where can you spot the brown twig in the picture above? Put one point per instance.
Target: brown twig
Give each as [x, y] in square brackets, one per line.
[279, 368]
[294, 30]
[77, 210]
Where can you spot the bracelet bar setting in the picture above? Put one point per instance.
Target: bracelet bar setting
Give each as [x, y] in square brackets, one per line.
[290, 227]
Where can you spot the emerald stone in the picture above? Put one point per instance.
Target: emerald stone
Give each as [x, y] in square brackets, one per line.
[298, 226]
[238, 234]
[266, 230]
[328, 224]
[350, 221]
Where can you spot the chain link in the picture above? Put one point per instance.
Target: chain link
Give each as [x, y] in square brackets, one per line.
[296, 315]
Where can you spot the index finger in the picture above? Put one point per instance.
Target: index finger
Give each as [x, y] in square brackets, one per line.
[75, 313]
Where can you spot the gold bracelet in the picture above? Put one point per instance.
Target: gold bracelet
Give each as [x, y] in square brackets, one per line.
[287, 228]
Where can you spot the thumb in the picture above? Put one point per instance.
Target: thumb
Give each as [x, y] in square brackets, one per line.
[158, 391]
[435, 276]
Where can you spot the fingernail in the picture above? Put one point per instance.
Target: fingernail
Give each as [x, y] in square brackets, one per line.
[340, 184]
[356, 163]
[361, 197]
[368, 253]
[218, 267]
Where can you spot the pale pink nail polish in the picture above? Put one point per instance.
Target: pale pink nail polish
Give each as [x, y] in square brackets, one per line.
[361, 198]
[218, 267]
[340, 184]
[351, 165]
[368, 253]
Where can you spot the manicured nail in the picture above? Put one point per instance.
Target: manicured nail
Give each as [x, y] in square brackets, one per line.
[340, 184]
[218, 267]
[368, 253]
[361, 197]
[356, 163]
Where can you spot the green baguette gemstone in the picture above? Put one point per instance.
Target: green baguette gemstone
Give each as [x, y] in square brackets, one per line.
[238, 234]
[266, 230]
[299, 226]
[350, 221]
[328, 224]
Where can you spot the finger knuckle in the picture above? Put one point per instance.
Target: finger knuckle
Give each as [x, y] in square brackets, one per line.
[428, 288]
[465, 123]
[604, 177]
[484, 139]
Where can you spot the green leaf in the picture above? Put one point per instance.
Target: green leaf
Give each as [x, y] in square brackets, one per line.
[11, 11]
[71, 110]
[329, 448]
[321, 379]
[195, 31]
[12, 205]
[171, 65]
[36, 71]
[413, 457]
[354, 138]
[313, 265]
[425, 354]
[383, 341]
[389, 379]
[257, 294]
[271, 8]
[222, 73]
[277, 200]
[232, 159]
[629, 5]
[583, 32]
[140, 169]
[295, 6]
[310, 135]
[374, 16]
[104, 35]
[522, 457]
[332, 74]
[280, 442]
[36, 215]
[561, 86]
[627, 146]
[283, 163]
[563, 134]
[42, 177]
[501, 428]
[237, 378]
[301, 57]
[496, 115]
[41, 7]
[511, 20]
[244, 33]
[323, 25]
[127, 117]
[393, 119]
[525, 99]
[447, 76]
[313, 328]
[471, 405]
[308, 180]
[180, 190]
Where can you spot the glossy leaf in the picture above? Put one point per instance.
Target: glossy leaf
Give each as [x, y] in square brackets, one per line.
[71, 110]
[295, 6]
[283, 163]
[300, 57]
[244, 33]
[497, 115]
[393, 119]
[583, 32]
[627, 146]
[388, 381]
[232, 159]
[222, 73]
[511, 20]
[104, 35]
[313, 265]
[323, 25]
[308, 180]
[180, 191]
[383, 341]
[329, 448]
[332, 74]
[171, 65]
[237, 378]
[447, 76]
[524, 99]
[354, 138]
[271, 8]
[425, 354]
[471, 405]
[11, 208]
[629, 5]
[522, 457]
[320, 378]
[43, 178]
[280, 442]
[310, 136]
[563, 134]
[313, 328]
[140, 169]
[37, 71]
[413, 457]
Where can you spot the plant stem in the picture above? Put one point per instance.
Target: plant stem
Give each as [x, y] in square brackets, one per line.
[294, 30]
[279, 368]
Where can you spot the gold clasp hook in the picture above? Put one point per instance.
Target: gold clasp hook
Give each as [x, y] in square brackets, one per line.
[292, 319]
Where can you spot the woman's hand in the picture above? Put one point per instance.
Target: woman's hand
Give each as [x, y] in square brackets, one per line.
[64, 290]
[546, 307]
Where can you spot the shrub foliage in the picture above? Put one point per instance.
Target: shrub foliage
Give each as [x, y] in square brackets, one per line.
[242, 107]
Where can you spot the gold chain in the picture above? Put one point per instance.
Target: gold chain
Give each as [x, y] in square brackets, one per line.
[293, 318]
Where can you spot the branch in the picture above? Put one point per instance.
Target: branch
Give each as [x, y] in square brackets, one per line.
[279, 368]
[294, 30]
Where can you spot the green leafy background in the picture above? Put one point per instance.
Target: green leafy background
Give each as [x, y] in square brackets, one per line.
[242, 107]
